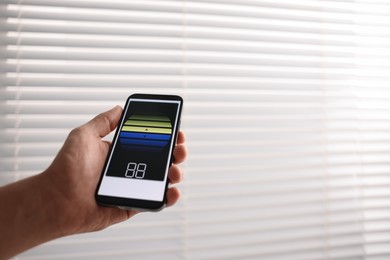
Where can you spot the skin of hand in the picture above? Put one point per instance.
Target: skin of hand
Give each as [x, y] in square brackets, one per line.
[60, 201]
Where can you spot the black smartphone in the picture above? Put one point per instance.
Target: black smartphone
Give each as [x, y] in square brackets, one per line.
[135, 175]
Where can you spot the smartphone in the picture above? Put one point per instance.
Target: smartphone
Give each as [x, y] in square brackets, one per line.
[135, 175]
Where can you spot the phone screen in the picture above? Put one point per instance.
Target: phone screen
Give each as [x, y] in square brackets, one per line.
[136, 171]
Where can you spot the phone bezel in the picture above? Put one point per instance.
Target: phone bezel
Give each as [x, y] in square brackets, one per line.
[138, 204]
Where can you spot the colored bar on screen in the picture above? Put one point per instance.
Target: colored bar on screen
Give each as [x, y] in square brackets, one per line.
[154, 130]
[127, 141]
[148, 123]
[164, 137]
[150, 118]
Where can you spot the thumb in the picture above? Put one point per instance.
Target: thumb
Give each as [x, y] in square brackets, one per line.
[105, 123]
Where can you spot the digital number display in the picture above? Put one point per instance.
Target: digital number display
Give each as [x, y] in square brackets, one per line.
[135, 170]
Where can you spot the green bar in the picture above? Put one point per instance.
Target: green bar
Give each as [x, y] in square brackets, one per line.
[148, 123]
[153, 130]
[151, 118]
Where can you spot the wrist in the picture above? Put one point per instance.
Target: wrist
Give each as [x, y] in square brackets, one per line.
[47, 203]
[57, 204]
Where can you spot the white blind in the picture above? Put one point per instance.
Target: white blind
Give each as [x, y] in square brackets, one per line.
[287, 116]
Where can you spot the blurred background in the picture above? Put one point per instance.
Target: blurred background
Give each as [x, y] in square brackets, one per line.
[287, 116]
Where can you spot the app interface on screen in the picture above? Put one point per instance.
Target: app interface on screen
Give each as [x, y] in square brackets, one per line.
[140, 156]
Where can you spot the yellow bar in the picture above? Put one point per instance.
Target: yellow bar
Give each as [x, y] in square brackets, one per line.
[153, 130]
[148, 123]
[152, 118]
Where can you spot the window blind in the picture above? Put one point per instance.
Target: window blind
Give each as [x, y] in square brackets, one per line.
[286, 114]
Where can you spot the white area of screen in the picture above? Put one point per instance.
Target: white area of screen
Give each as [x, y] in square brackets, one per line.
[136, 188]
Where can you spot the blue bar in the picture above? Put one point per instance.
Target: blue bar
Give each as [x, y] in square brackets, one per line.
[145, 136]
[127, 141]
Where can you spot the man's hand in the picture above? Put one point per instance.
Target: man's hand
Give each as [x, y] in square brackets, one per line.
[75, 173]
